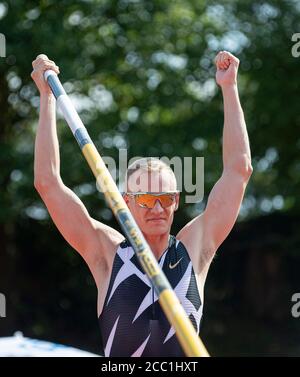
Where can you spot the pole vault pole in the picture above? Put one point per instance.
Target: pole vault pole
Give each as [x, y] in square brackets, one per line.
[186, 334]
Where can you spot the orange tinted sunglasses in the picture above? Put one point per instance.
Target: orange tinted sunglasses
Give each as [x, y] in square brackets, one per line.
[148, 199]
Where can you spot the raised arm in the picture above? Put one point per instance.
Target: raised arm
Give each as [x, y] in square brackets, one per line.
[92, 239]
[212, 227]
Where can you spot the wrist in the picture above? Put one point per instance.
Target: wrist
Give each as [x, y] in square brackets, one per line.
[229, 88]
[47, 101]
[47, 96]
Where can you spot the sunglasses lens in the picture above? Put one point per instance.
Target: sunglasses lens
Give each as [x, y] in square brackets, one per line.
[148, 200]
[145, 200]
[166, 200]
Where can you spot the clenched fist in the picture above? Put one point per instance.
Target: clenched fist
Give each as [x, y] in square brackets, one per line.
[40, 65]
[227, 68]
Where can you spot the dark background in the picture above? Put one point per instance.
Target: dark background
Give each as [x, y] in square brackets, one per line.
[142, 76]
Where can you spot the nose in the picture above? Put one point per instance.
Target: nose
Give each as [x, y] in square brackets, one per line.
[157, 207]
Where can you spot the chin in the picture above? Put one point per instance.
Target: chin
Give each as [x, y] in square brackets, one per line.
[156, 230]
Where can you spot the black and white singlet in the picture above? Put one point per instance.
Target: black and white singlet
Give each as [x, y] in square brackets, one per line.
[132, 322]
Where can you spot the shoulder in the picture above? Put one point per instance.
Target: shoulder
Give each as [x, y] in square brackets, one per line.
[103, 252]
[105, 245]
[194, 237]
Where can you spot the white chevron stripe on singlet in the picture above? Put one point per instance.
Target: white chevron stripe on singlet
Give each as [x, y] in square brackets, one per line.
[141, 348]
[111, 338]
[127, 270]
[147, 301]
[181, 290]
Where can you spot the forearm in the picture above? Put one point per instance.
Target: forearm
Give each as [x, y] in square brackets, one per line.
[236, 148]
[46, 156]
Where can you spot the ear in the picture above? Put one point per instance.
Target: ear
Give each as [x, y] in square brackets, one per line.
[126, 198]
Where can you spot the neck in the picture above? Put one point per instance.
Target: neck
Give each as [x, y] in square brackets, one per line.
[158, 244]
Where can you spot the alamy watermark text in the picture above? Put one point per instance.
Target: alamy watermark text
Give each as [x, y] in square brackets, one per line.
[296, 46]
[2, 46]
[2, 306]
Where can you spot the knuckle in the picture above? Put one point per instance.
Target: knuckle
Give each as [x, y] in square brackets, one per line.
[42, 56]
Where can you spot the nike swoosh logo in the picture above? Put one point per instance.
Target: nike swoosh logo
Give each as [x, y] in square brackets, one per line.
[174, 265]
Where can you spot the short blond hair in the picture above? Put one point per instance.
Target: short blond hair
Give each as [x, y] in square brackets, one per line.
[148, 164]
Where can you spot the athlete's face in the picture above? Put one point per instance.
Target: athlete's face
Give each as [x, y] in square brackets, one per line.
[157, 220]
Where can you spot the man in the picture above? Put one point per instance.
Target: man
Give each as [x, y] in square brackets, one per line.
[131, 320]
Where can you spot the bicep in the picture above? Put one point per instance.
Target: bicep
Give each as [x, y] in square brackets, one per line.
[223, 207]
[72, 219]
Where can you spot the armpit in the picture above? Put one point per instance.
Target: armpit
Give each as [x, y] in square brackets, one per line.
[205, 259]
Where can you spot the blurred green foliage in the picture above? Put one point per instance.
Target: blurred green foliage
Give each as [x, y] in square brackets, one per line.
[141, 74]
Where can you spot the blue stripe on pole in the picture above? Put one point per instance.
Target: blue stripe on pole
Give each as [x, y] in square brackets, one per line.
[82, 137]
[56, 86]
